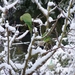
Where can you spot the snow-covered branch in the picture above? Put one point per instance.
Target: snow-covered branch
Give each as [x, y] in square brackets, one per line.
[13, 38]
[41, 61]
[38, 50]
[12, 5]
[8, 5]
[23, 35]
[5, 2]
[44, 11]
[66, 23]
[29, 54]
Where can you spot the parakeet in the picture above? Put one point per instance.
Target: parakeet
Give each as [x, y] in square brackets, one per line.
[28, 20]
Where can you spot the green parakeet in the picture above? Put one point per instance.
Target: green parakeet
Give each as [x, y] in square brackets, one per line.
[28, 20]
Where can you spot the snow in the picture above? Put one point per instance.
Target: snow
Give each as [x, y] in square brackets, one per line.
[8, 6]
[72, 25]
[58, 67]
[12, 39]
[33, 1]
[38, 37]
[5, 2]
[1, 29]
[63, 14]
[37, 20]
[36, 1]
[45, 12]
[72, 9]
[50, 19]
[34, 74]
[38, 50]
[60, 15]
[51, 64]
[23, 35]
[2, 15]
[13, 29]
[30, 45]
[12, 5]
[38, 62]
[35, 30]
[1, 20]
[63, 27]
[19, 66]
[51, 4]
[64, 39]
[13, 65]
[2, 9]
[10, 28]
[71, 34]
[0, 37]
[8, 67]
[46, 23]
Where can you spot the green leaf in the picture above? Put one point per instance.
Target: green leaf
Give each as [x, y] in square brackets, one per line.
[28, 20]
[47, 39]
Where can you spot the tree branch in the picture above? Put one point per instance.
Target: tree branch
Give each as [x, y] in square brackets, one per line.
[29, 54]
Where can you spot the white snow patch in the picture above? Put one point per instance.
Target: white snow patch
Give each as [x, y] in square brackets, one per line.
[13, 29]
[72, 26]
[38, 63]
[1, 29]
[23, 35]
[38, 50]
[37, 20]
[50, 19]
[35, 30]
[51, 4]
[38, 37]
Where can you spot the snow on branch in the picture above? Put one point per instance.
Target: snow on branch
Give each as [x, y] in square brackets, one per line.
[1, 29]
[51, 4]
[41, 61]
[72, 10]
[13, 38]
[12, 5]
[2, 9]
[2, 38]
[66, 23]
[8, 5]
[28, 54]
[37, 20]
[13, 65]
[8, 67]
[38, 50]
[5, 2]
[10, 28]
[13, 29]
[21, 36]
[44, 11]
